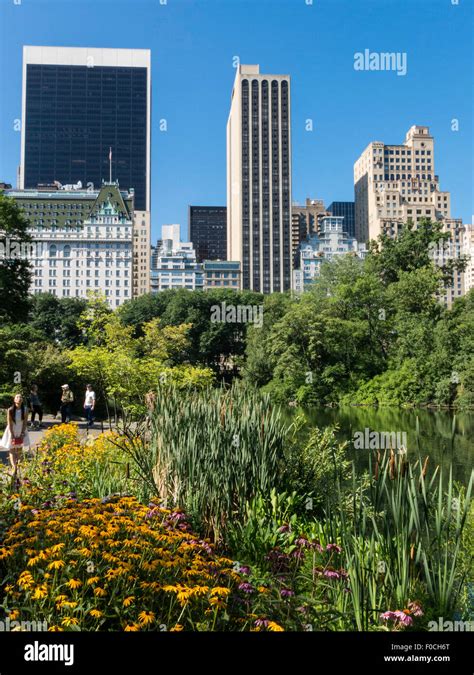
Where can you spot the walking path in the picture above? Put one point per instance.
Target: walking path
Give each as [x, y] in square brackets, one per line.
[49, 421]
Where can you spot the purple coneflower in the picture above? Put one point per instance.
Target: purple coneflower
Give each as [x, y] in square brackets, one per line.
[246, 587]
[262, 623]
[333, 547]
[286, 593]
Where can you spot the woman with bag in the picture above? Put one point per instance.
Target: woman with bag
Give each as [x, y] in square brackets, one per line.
[16, 433]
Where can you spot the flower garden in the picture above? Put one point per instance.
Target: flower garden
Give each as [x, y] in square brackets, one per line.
[212, 514]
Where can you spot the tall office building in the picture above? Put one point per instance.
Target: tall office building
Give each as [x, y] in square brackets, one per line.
[346, 210]
[207, 226]
[82, 107]
[259, 179]
[393, 183]
[397, 183]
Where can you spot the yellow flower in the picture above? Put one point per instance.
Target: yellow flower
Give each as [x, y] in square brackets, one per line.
[92, 580]
[146, 617]
[57, 547]
[56, 565]
[132, 627]
[176, 628]
[74, 583]
[128, 601]
[99, 592]
[14, 614]
[55, 629]
[70, 621]
[25, 580]
[96, 613]
[220, 591]
[274, 627]
[34, 561]
[40, 592]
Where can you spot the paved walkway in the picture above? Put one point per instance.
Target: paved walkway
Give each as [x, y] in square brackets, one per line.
[49, 421]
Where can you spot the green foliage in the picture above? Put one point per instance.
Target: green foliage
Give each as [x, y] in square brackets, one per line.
[125, 368]
[370, 332]
[58, 318]
[211, 451]
[15, 271]
[316, 465]
[268, 522]
[211, 344]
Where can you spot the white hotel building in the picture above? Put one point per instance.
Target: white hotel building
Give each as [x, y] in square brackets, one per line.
[82, 240]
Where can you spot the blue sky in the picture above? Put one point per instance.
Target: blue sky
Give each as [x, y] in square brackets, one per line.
[193, 44]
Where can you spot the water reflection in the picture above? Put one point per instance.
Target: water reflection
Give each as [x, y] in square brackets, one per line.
[445, 437]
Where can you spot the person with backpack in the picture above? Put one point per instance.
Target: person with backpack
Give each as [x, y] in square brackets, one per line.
[36, 407]
[16, 433]
[67, 399]
[89, 405]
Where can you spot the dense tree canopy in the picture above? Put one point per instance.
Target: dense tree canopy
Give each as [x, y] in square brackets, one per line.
[15, 271]
[367, 332]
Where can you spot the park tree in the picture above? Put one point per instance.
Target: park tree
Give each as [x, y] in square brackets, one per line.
[15, 270]
[58, 318]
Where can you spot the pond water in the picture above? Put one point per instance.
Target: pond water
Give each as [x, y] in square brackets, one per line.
[446, 437]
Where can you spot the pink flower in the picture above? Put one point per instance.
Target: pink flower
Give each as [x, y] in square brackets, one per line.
[388, 616]
[398, 616]
[333, 547]
[415, 609]
[286, 593]
[405, 619]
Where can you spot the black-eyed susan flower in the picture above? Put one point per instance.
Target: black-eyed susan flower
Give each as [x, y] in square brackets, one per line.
[146, 618]
[56, 565]
[96, 613]
[70, 621]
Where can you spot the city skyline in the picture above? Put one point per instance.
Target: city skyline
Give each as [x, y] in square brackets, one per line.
[188, 158]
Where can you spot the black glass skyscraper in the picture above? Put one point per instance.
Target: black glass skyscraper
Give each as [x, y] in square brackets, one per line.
[208, 232]
[77, 108]
[345, 209]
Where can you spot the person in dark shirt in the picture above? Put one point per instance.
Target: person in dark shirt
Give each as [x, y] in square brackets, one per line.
[36, 407]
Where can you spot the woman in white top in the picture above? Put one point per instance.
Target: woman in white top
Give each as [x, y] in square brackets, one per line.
[16, 433]
[89, 405]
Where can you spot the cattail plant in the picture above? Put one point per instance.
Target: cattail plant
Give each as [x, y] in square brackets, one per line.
[405, 534]
[210, 451]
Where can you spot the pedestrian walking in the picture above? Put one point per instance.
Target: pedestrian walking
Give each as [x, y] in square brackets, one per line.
[89, 405]
[67, 399]
[36, 407]
[16, 433]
